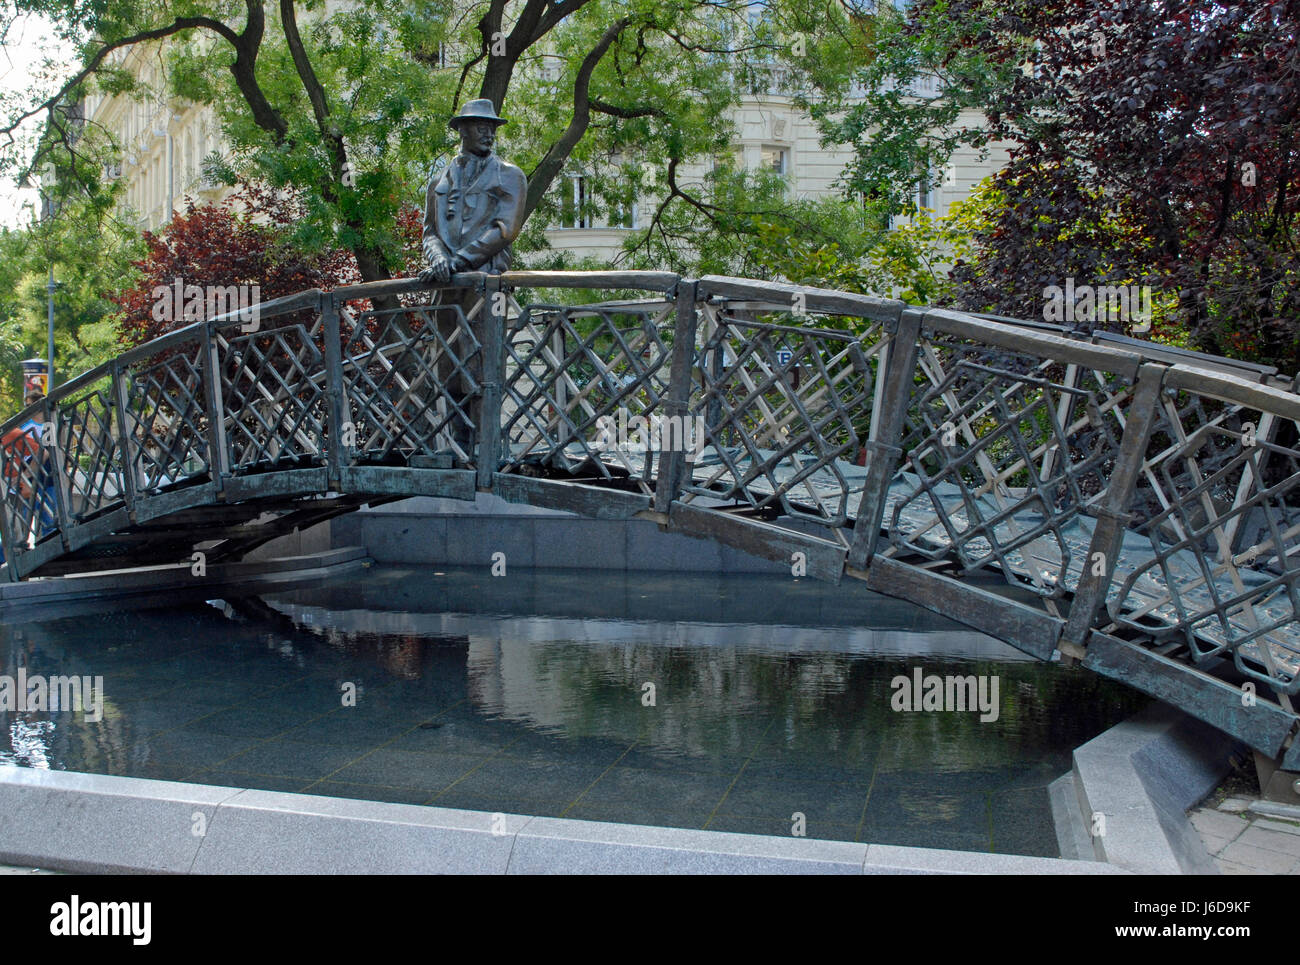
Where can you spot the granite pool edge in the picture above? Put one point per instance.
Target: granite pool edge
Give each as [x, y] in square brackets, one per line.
[1142, 774]
[1135, 783]
[89, 823]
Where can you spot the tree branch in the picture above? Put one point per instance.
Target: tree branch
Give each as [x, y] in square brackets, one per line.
[627, 113]
[157, 33]
[306, 73]
[550, 166]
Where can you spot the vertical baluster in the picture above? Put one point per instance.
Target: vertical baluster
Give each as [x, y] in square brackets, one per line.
[335, 394]
[1064, 416]
[492, 319]
[672, 465]
[883, 450]
[121, 413]
[214, 406]
[561, 386]
[714, 332]
[1233, 536]
[60, 471]
[1113, 514]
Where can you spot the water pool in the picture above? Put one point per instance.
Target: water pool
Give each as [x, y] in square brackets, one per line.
[739, 703]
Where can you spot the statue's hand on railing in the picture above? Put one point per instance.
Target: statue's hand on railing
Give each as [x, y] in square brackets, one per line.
[439, 270]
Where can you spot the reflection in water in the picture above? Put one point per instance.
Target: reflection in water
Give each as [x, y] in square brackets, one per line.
[628, 698]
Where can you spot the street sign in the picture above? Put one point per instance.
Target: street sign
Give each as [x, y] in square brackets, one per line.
[36, 376]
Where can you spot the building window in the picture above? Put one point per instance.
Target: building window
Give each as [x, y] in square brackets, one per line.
[927, 190]
[575, 202]
[623, 215]
[776, 159]
[730, 160]
[578, 204]
[551, 69]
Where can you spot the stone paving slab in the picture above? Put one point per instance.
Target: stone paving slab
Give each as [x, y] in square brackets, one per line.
[1272, 825]
[1245, 842]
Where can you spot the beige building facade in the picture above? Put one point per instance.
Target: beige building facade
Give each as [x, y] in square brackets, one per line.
[163, 141]
[772, 133]
[164, 144]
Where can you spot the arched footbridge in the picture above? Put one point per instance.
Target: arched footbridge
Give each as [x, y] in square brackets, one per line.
[1132, 505]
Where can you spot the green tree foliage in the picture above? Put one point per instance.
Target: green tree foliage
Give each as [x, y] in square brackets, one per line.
[900, 98]
[347, 105]
[91, 252]
[1153, 143]
[747, 223]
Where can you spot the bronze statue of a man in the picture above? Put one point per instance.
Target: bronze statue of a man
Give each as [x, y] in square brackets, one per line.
[474, 210]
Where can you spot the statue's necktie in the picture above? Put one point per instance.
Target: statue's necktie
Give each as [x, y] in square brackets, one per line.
[470, 166]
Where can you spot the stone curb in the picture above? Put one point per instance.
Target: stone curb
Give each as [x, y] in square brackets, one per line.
[1272, 809]
[93, 823]
[1142, 775]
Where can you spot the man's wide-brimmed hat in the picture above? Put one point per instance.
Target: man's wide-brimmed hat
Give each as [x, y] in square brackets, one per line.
[478, 110]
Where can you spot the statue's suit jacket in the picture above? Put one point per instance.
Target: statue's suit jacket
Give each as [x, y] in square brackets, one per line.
[478, 220]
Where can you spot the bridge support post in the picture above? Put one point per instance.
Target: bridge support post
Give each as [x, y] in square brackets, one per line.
[492, 319]
[883, 452]
[7, 537]
[336, 399]
[1113, 514]
[672, 464]
[62, 497]
[218, 455]
[121, 411]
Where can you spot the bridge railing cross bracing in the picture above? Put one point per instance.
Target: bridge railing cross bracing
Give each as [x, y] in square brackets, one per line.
[1131, 505]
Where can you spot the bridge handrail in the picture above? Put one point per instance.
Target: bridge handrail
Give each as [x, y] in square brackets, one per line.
[999, 331]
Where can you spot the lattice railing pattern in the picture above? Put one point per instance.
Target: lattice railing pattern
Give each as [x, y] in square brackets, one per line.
[579, 380]
[92, 457]
[1004, 454]
[413, 380]
[166, 418]
[273, 397]
[1218, 512]
[30, 501]
[786, 410]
